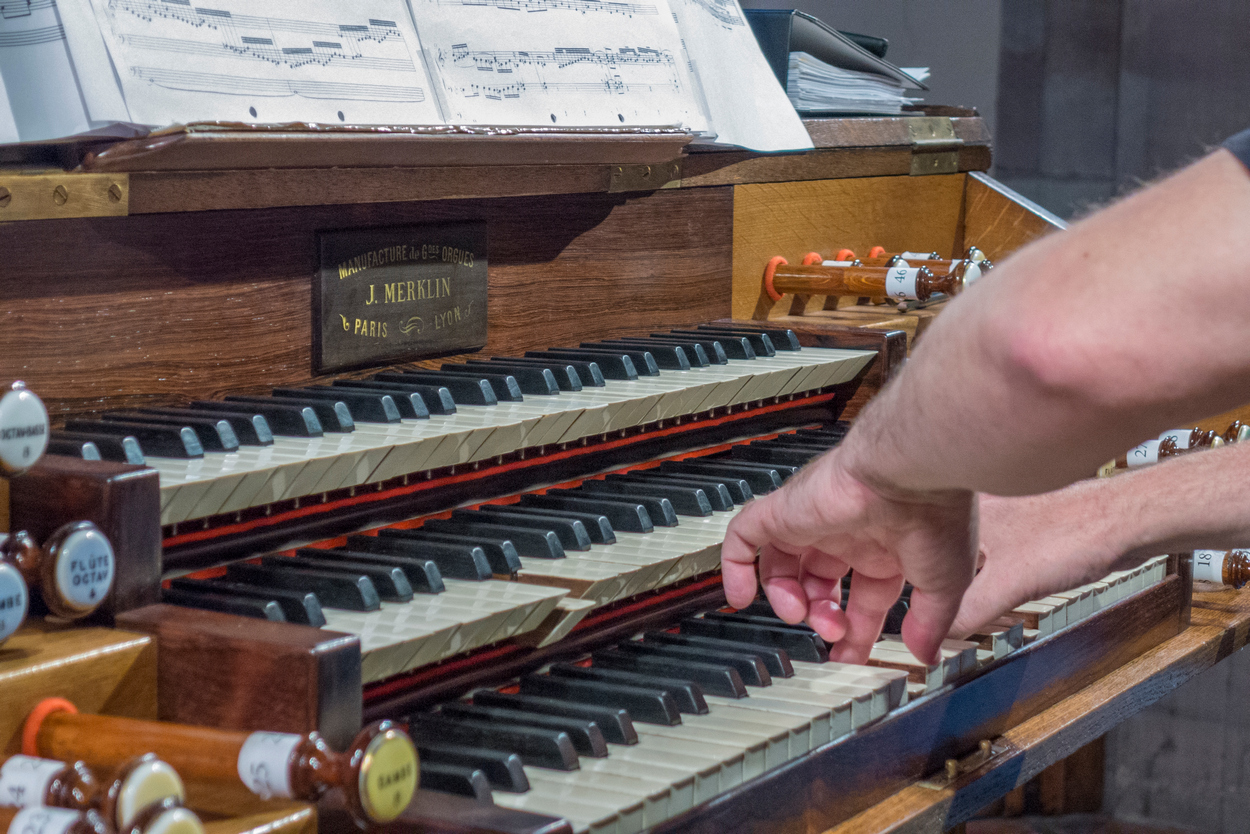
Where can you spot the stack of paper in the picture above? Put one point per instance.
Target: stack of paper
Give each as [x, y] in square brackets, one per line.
[815, 86]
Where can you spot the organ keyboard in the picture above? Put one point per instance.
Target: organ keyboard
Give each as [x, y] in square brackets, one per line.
[529, 531]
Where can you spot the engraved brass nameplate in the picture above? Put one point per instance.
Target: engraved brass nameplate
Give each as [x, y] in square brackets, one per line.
[396, 294]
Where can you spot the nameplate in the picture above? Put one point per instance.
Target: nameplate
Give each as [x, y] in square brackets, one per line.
[399, 294]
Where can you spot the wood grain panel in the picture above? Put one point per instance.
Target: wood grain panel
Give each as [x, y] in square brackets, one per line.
[180, 306]
[219, 670]
[793, 218]
[999, 221]
[99, 669]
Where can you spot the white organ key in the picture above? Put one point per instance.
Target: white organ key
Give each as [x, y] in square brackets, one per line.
[750, 747]
[616, 790]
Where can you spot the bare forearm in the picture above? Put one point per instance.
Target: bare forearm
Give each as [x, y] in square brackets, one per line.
[1080, 346]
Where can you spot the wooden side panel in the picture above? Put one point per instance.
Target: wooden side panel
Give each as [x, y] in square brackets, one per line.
[793, 218]
[999, 221]
[219, 670]
[123, 501]
[98, 669]
[180, 306]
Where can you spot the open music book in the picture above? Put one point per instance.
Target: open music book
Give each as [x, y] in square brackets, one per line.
[69, 66]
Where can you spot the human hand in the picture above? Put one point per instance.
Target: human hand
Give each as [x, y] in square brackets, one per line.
[1036, 545]
[827, 520]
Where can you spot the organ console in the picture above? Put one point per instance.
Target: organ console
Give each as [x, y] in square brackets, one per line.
[73, 570]
[511, 551]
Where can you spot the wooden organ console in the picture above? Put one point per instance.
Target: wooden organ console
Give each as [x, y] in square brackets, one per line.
[513, 516]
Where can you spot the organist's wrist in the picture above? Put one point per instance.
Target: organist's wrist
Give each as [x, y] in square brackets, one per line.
[862, 465]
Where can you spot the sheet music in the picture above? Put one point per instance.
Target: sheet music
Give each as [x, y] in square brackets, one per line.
[8, 126]
[301, 60]
[562, 63]
[42, 91]
[745, 102]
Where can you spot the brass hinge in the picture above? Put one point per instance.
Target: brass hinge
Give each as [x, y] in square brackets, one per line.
[955, 768]
[935, 147]
[62, 195]
[645, 177]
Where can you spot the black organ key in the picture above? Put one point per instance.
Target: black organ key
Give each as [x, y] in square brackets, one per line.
[572, 533]
[423, 575]
[334, 415]
[712, 678]
[770, 619]
[85, 449]
[615, 724]
[334, 590]
[760, 342]
[644, 360]
[790, 441]
[453, 561]
[694, 352]
[660, 511]
[364, 406]
[215, 435]
[536, 544]
[410, 404]
[596, 525]
[503, 769]
[716, 493]
[437, 398]
[668, 357]
[455, 779]
[164, 441]
[750, 668]
[735, 347]
[535, 746]
[894, 617]
[731, 490]
[587, 739]
[124, 449]
[799, 645]
[255, 607]
[612, 365]
[761, 480]
[390, 582]
[685, 693]
[784, 470]
[775, 659]
[832, 432]
[712, 350]
[285, 419]
[565, 377]
[465, 389]
[647, 704]
[539, 381]
[588, 371]
[685, 500]
[782, 339]
[771, 454]
[621, 515]
[501, 555]
[249, 429]
[297, 606]
[505, 385]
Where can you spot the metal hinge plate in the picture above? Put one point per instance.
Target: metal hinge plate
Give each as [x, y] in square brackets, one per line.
[62, 195]
[645, 177]
[935, 147]
[956, 768]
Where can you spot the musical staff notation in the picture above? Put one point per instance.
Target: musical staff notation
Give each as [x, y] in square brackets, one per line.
[378, 31]
[321, 53]
[30, 37]
[205, 82]
[15, 9]
[583, 6]
[724, 11]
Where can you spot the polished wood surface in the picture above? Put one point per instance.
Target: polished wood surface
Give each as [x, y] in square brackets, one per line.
[793, 218]
[998, 221]
[235, 673]
[193, 306]
[100, 669]
[123, 501]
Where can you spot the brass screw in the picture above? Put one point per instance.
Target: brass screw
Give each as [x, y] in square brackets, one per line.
[115, 193]
[60, 195]
[5, 197]
[646, 172]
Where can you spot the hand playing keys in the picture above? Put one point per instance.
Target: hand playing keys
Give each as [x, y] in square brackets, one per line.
[827, 520]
